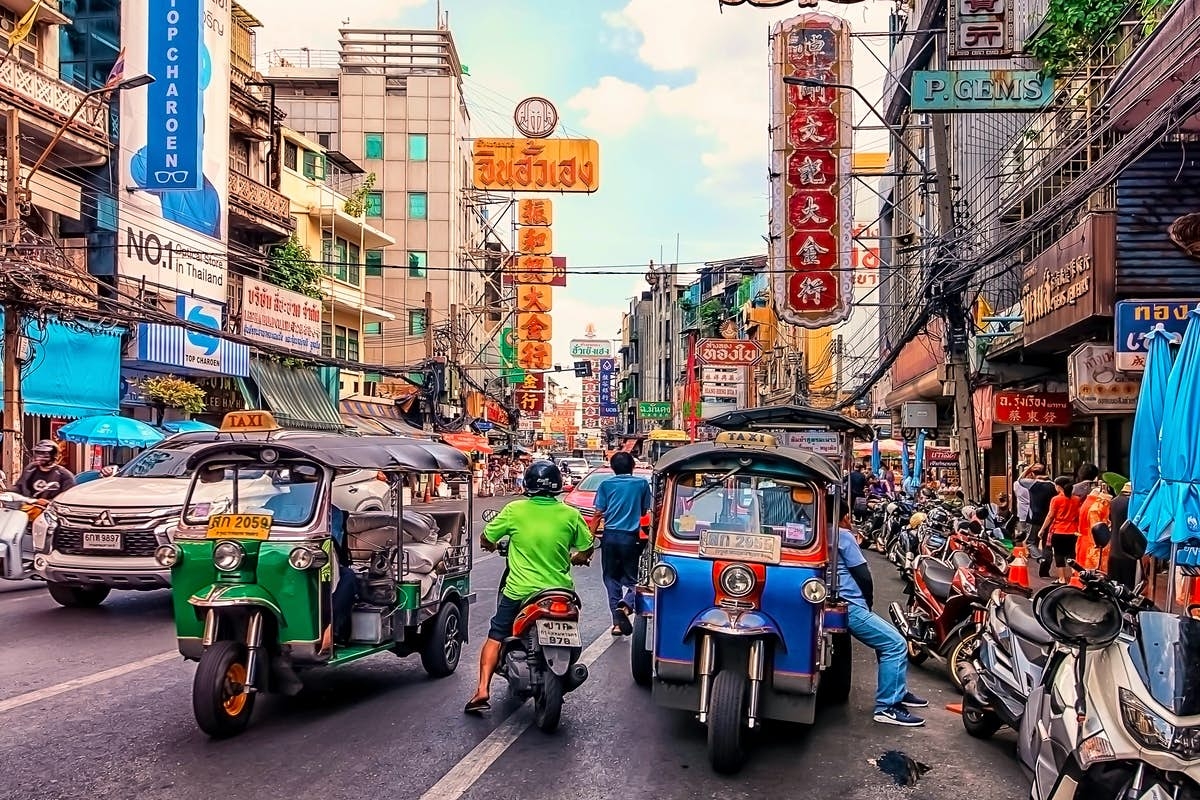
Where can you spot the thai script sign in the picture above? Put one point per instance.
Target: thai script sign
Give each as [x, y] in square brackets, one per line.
[650, 410]
[1033, 409]
[591, 348]
[1095, 385]
[728, 352]
[811, 188]
[1135, 318]
[1071, 281]
[536, 165]
[823, 443]
[980, 28]
[981, 90]
[281, 317]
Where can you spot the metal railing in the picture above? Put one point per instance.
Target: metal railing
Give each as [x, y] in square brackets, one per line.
[261, 199]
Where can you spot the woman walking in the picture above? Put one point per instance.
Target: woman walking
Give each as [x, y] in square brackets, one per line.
[1061, 527]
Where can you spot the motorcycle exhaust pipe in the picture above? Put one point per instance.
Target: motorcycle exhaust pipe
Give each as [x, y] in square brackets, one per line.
[576, 675]
[900, 621]
[972, 685]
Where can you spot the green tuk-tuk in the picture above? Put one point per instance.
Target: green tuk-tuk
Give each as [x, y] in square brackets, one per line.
[269, 576]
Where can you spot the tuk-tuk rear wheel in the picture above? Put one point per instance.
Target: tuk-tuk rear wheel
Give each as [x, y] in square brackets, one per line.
[220, 701]
[641, 660]
[834, 688]
[727, 722]
[441, 648]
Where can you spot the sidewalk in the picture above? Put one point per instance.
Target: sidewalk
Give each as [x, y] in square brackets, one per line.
[19, 586]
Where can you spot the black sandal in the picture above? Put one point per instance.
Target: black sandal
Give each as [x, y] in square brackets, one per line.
[622, 624]
[478, 707]
[616, 630]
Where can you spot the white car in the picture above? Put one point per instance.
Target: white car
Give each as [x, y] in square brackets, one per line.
[101, 535]
[573, 470]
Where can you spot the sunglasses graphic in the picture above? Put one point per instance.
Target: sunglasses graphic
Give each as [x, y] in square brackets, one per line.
[168, 176]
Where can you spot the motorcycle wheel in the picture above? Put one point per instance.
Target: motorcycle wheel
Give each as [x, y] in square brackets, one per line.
[77, 596]
[979, 722]
[220, 702]
[727, 722]
[442, 647]
[641, 660]
[547, 704]
[963, 649]
[894, 554]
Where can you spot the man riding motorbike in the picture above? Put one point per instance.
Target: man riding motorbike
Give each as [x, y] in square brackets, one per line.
[542, 532]
[44, 478]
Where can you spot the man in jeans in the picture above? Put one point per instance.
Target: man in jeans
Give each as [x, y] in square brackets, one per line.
[621, 502]
[892, 698]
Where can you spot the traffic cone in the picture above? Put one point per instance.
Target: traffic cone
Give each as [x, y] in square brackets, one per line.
[955, 708]
[1078, 584]
[428, 489]
[1018, 570]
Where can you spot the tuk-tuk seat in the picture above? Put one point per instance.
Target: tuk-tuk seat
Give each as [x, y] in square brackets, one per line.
[369, 520]
[938, 577]
[450, 524]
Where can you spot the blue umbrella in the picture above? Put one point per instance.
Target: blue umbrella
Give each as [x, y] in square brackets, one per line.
[919, 458]
[188, 426]
[875, 462]
[1171, 514]
[1148, 420]
[110, 430]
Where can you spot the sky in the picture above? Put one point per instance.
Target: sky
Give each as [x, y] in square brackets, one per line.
[675, 91]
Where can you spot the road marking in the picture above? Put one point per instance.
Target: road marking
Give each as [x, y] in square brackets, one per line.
[455, 783]
[87, 680]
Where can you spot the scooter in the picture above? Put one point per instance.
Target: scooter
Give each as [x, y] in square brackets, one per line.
[1117, 716]
[17, 514]
[1013, 652]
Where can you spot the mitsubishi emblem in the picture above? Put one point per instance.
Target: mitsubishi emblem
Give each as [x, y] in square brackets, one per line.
[104, 520]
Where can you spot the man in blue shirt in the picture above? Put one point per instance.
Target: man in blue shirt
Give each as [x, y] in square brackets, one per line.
[621, 502]
[892, 698]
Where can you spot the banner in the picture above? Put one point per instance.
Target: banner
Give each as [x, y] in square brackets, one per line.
[608, 400]
[174, 145]
[281, 317]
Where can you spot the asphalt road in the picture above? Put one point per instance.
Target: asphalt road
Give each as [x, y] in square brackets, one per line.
[96, 704]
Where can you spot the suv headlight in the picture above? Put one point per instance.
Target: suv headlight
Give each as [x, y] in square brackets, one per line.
[737, 581]
[43, 530]
[227, 556]
[1155, 733]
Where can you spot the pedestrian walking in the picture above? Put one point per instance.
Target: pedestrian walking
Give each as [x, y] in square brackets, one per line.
[1041, 491]
[1061, 528]
[621, 502]
[1128, 545]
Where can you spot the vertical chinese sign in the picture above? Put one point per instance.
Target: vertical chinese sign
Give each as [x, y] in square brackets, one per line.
[812, 197]
[980, 28]
[608, 400]
[532, 275]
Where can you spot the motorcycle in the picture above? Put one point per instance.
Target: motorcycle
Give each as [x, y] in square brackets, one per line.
[17, 514]
[870, 529]
[1013, 652]
[1118, 712]
[540, 660]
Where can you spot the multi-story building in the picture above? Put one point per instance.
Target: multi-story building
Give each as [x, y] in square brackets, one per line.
[392, 100]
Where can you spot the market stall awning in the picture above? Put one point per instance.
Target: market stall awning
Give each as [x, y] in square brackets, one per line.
[74, 371]
[380, 417]
[295, 396]
[467, 442]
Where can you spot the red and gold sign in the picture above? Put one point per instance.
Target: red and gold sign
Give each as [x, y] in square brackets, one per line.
[534, 297]
[537, 211]
[533, 327]
[534, 355]
[530, 396]
[535, 240]
[536, 165]
[1033, 409]
[812, 196]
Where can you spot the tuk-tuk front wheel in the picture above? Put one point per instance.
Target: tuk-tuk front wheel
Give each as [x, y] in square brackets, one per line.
[220, 699]
[442, 645]
[641, 660]
[727, 722]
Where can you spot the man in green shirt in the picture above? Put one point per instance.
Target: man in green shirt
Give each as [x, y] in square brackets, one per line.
[542, 532]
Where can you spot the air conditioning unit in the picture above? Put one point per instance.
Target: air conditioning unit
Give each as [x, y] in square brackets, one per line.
[918, 415]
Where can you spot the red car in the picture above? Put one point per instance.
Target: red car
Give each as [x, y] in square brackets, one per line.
[583, 495]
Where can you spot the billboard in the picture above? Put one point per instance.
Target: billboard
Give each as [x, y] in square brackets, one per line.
[536, 165]
[174, 147]
[812, 197]
[281, 317]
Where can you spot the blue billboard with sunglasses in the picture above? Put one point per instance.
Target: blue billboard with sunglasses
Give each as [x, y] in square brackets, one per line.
[175, 101]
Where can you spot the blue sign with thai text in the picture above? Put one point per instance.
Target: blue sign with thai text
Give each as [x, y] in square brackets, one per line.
[608, 369]
[174, 102]
[1136, 317]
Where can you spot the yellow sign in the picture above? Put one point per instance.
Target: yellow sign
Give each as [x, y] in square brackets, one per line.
[746, 437]
[534, 297]
[534, 269]
[536, 165]
[535, 212]
[535, 241]
[534, 327]
[239, 526]
[249, 422]
[534, 355]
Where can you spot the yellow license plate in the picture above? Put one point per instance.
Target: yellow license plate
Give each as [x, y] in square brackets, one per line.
[239, 526]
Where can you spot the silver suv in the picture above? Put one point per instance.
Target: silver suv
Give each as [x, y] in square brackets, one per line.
[101, 535]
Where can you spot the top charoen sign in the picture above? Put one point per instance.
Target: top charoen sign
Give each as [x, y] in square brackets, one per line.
[536, 117]
[536, 165]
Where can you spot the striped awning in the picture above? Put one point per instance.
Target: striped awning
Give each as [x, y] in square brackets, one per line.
[380, 418]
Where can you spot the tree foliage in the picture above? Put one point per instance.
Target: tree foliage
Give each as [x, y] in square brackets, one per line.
[292, 267]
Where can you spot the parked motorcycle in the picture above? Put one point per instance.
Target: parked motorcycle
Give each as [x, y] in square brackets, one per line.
[870, 529]
[17, 514]
[1118, 713]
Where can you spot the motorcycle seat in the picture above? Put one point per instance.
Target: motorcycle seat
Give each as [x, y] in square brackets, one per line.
[938, 577]
[567, 593]
[1018, 613]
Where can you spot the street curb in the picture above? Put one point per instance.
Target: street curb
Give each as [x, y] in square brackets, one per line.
[19, 586]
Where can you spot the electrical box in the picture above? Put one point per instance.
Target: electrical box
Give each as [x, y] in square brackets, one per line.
[919, 415]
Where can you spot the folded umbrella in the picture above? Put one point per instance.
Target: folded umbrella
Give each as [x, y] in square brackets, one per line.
[1148, 418]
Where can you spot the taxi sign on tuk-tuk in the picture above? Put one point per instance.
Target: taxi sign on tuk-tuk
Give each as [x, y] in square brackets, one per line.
[747, 438]
[239, 526]
[249, 422]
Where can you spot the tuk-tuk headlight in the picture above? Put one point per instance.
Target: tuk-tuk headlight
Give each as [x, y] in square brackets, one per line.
[167, 555]
[737, 581]
[663, 575]
[815, 591]
[303, 558]
[228, 556]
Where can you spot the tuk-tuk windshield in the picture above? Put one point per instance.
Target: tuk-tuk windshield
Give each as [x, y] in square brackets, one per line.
[744, 504]
[288, 493]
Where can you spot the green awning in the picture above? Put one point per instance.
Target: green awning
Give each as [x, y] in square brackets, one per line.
[295, 395]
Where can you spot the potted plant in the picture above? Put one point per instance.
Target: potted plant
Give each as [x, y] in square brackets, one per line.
[178, 395]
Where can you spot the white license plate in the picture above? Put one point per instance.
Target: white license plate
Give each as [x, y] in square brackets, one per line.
[557, 633]
[94, 540]
[725, 545]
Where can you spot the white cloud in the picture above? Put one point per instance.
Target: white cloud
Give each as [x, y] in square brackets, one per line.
[613, 107]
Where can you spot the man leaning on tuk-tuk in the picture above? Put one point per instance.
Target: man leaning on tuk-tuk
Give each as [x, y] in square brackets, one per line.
[892, 698]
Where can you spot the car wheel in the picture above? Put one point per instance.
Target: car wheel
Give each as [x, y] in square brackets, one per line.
[77, 596]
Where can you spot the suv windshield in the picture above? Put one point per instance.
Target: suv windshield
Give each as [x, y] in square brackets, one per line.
[161, 462]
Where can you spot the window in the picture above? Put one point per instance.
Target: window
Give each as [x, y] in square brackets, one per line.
[374, 263]
[373, 145]
[372, 328]
[417, 205]
[374, 204]
[291, 154]
[326, 339]
[354, 265]
[339, 342]
[325, 140]
[352, 346]
[416, 321]
[418, 147]
[314, 165]
[418, 260]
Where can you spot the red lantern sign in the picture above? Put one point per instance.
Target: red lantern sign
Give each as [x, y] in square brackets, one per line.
[1034, 409]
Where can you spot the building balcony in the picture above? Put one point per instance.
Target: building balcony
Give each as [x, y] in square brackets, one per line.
[46, 103]
[256, 207]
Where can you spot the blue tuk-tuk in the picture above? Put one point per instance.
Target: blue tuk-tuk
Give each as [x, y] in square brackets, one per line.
[738, 618]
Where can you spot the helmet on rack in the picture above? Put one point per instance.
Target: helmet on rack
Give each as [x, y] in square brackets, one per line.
[45, 452]
[543, 479]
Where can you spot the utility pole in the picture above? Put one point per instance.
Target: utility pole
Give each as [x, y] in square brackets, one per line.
[13, 415]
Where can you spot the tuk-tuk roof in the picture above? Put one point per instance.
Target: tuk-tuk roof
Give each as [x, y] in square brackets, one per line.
[790, 417]
[351, 452]
[696, 455]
